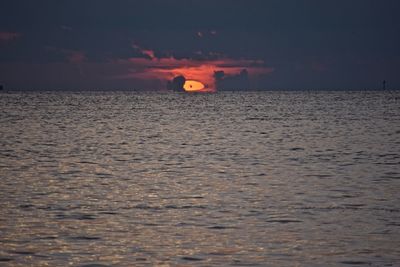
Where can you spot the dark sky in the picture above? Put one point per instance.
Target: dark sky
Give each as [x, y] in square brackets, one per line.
[282, 44]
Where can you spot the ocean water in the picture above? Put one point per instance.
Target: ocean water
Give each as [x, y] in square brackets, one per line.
[225, 179]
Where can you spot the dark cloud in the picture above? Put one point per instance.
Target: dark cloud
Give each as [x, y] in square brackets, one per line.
[6, 37]
[176, 84]
[308, 43]
[233, 82]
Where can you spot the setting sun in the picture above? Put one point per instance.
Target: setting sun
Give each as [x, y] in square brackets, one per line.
[193, 86]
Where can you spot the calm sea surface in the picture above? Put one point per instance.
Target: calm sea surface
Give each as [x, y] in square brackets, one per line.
[226, 179]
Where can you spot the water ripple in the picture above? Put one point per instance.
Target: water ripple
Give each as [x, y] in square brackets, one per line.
[95, 179]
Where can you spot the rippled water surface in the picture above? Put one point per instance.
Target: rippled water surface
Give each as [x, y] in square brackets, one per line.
[226, 179]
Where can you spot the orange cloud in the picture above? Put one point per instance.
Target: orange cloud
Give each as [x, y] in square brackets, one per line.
[152, 68]
[146, 52]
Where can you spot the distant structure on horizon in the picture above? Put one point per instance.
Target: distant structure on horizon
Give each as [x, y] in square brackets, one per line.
[384, 85]
[1, 87]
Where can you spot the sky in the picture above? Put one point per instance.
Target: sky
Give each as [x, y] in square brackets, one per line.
[224, 44]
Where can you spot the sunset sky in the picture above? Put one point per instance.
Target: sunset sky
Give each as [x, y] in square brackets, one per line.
[280, 44]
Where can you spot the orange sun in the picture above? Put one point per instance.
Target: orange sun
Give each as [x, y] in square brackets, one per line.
[193, 86]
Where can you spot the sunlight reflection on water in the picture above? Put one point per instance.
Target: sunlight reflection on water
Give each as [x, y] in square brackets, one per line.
[226, 179]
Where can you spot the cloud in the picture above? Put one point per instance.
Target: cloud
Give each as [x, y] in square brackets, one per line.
[76, 56]
[6, 37]
[66, 28]
[145, 52]
[231, 82]
[150, 67]
[176, 84]
[319, 66]
[202, 34]
[71, 56]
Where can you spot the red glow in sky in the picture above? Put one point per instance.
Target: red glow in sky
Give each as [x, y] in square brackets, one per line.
[164, 69]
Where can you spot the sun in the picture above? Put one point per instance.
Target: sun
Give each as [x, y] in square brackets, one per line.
[193, 86]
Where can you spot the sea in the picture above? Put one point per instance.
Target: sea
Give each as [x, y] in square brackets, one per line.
[275, 178]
